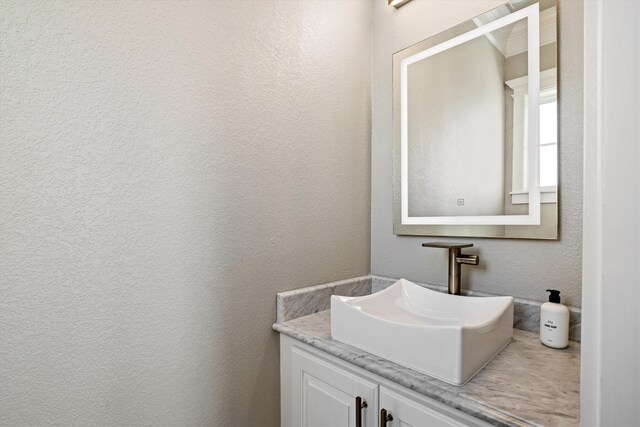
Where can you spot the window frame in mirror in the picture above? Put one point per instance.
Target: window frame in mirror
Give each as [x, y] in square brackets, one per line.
[548, 90]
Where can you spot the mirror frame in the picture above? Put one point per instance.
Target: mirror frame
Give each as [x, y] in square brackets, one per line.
[426, 49]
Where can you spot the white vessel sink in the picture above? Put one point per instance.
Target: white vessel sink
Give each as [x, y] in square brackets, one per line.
[448, 337]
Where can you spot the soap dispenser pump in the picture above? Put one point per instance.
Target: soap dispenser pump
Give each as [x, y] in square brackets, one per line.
[554, 322]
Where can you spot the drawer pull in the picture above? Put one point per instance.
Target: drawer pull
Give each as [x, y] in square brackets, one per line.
[385, 417]
[360, 405]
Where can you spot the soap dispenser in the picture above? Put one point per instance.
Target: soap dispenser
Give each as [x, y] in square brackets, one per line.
[554, 322]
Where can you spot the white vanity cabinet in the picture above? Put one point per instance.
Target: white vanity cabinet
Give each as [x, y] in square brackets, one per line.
[320, 390]
[327, 395]
[409, 412]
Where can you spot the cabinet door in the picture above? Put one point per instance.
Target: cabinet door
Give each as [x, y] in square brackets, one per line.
[324, 395]
[407, 412]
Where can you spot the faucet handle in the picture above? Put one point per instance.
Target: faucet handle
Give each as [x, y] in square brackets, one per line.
[468, 259]
[446, 245]
[456, 257]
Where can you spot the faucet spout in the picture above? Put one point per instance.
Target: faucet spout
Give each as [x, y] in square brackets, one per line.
[456, 258]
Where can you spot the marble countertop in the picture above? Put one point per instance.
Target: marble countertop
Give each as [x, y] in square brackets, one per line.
[526, 384]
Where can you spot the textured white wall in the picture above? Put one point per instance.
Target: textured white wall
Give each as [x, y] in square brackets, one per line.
[166, 168]
[513, 267]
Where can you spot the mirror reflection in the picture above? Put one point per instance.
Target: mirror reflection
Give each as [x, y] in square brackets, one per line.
[457, 127]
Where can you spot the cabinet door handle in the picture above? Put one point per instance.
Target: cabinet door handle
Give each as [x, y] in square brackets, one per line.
[385, 417]
[360, 405]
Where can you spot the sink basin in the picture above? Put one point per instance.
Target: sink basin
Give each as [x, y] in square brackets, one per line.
[448, 337]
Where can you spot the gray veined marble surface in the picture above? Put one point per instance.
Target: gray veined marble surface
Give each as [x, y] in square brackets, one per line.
[526, 384]
[312, 299]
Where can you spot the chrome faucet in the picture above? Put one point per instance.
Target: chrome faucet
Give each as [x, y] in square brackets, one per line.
[456, 257]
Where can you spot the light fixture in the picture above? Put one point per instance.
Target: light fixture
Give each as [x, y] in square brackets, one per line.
[397, 3]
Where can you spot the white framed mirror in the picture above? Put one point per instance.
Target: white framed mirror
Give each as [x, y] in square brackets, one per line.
[471, 155]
